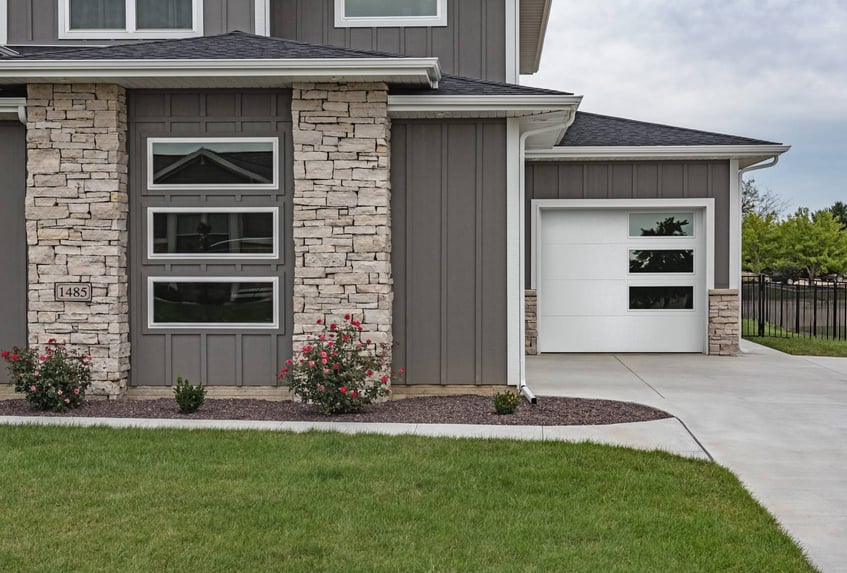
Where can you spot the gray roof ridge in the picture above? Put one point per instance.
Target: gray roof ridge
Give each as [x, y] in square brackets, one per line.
[752, 141]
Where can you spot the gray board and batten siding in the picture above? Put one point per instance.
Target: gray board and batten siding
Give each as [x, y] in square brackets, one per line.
[636, 180]
[13, 277]
[473, 44]
[219, 357]
[37, 21]
[448, 208]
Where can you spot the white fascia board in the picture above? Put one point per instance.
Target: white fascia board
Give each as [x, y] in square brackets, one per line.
[659, 152]
[13, 108]
[422, 71]
[481, 103]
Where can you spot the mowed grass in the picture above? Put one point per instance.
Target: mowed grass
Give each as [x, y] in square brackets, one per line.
[797, 345]
[99, 499]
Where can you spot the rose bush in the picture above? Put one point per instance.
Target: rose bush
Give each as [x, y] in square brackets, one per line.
[51, 379]
[336, 372]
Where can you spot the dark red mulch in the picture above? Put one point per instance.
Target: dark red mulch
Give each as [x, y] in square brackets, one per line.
[427, 410]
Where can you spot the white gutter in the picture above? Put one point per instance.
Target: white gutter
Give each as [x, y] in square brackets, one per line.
[659, 152]
[417, 71]
[524, 389]
[15, 106]
[526, 104]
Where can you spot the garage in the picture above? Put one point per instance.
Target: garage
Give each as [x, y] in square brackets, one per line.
[632, 279]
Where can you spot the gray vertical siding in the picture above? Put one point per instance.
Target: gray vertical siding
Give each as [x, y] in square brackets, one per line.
[472, 44]
[448, 204]
[13, 278]
[37, 21]
[217, 357]
[637, 180]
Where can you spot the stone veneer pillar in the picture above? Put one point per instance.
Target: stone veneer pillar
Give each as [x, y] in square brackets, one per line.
[724, 307]
[342, 219]
[76, 211]
[531, 318]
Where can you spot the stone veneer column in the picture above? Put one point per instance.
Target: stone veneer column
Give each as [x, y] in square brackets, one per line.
[724, 307]
[531, 318]
[76, 210]
[342, 219]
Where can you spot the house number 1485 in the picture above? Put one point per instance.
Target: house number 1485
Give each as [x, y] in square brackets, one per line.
[74, 292]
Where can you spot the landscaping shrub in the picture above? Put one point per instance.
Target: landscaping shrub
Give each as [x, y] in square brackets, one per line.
[506, 403]
[336, 372]
[54, 378]
[189, 398]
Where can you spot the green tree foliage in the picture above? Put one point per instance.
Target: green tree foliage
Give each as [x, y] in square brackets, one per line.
[813, 242]
[761, 244]
[839, 211]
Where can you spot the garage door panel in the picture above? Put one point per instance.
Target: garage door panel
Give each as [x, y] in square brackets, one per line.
[583, 297]
[680, 333]
[565, 261]
[581, 227]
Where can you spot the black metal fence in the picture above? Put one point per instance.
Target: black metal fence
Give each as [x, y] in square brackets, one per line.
[772, 308]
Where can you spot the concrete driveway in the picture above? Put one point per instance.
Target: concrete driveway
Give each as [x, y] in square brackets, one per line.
[778, 421]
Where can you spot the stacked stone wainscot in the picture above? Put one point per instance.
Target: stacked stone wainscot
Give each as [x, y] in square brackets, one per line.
[531, 318]
[342, 218]
[76, 211]
[724, 308]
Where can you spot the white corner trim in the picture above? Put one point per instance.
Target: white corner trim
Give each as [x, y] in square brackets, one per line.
[151, 141]
[514, 288]
[14, 107]
[658, 152]
[418, 71]
[151, 324]
[344, 21]
[513, 41]
[262, 17]
[130, 31]
[4, 25]
[152, 256]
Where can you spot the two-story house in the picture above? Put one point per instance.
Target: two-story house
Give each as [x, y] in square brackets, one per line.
[188, 185]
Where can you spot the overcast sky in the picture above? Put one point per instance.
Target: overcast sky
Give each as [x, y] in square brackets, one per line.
[768, 69]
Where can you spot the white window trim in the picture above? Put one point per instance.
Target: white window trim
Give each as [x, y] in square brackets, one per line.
[151, 211]
[212, 325]
[234, 186]
[343, 21]
[4, 26]
[262, 17]
[130, 32]
[706, 204]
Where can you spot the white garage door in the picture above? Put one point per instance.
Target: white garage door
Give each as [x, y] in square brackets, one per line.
[621, 280]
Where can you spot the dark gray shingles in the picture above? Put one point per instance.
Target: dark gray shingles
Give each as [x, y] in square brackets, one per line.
[592, 130]
[456, 85]
[234, 45]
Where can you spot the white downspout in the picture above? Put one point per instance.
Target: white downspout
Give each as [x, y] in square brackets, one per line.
[523, 388]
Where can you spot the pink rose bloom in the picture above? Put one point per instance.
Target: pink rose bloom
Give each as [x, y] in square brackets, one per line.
[32, 388]
[76, 390]
[67, 401]
[37, 373]
[59, 392]
[311, 363]
[326, 370]
[324, 360]
[354, 394]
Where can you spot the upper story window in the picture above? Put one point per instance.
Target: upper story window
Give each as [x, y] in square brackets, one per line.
[121, 19]
[383, 13]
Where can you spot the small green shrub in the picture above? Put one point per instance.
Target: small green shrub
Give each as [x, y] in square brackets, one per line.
[506, 403]
[53, 378]
[188, 397]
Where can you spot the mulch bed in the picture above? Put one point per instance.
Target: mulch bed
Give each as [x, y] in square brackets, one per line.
[427, 410]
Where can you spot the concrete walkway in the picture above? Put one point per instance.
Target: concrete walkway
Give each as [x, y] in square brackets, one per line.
[667, 435]
[778, 421]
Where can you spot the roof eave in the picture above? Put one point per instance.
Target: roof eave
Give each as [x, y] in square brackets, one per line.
[479, 105]
[242, 72]
[530, 59]
[747, 153]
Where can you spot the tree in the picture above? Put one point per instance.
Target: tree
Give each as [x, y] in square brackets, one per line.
[839, 211]
[814, 243]
[761, 244]
[761, 202]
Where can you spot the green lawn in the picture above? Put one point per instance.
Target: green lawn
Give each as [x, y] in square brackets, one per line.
[798, 345]
[156, 500]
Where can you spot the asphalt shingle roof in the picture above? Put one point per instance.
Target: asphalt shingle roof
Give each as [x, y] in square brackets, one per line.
[234, 46]
[592, 130]
[457, 85]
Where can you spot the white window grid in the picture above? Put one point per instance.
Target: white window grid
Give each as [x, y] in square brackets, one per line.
[344, 21]
[130, 31]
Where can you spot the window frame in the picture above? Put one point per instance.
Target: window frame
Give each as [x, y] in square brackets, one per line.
[153, 256]
[153, 325]
[694, 304]
[344, 21]
[130, 31]
[151, 141]
[632, 212]
[694, 261]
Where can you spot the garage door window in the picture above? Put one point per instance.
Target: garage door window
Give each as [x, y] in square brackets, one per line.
[661, 261]
[661, 298]
[661, 224]
[219, 302]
